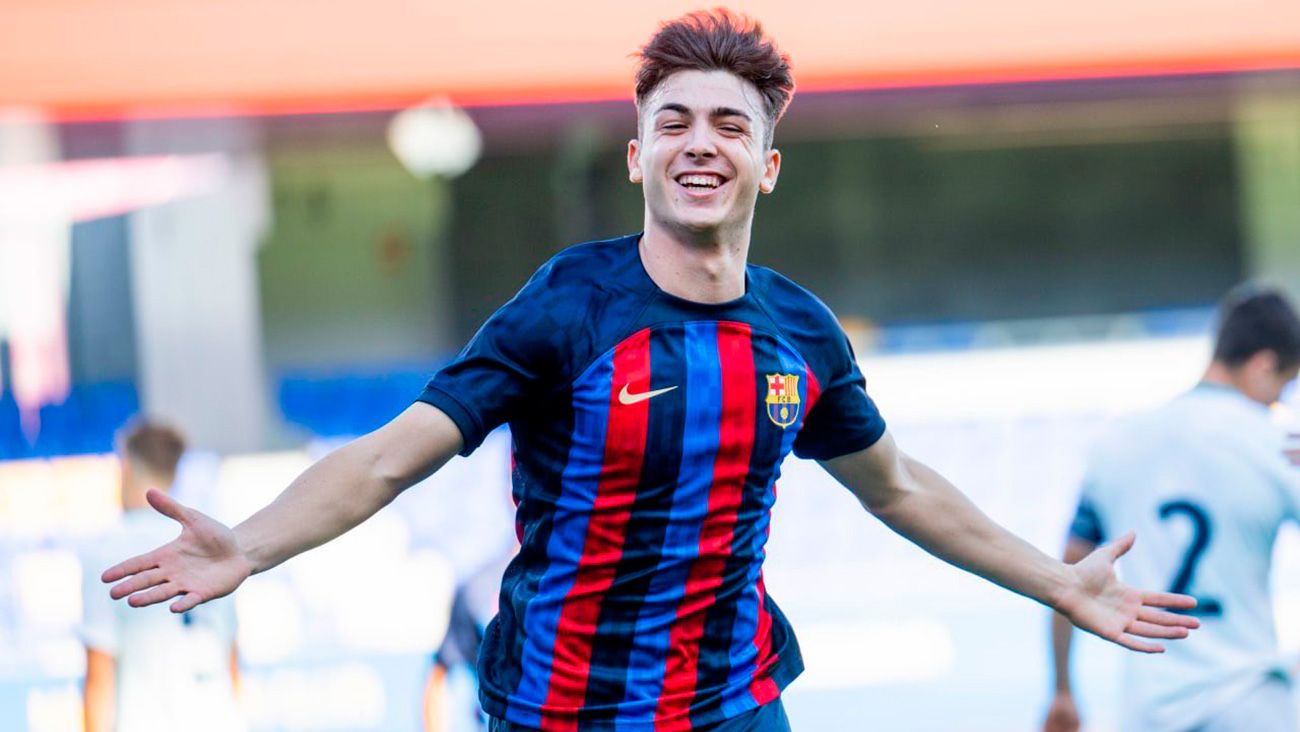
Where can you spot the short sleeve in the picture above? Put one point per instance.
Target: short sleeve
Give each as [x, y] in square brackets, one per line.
[98, 629]
[843, 419]
[1087, 524]
[514, 357]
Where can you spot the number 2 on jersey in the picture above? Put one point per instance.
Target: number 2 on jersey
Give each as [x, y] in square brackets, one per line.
[1202, 530]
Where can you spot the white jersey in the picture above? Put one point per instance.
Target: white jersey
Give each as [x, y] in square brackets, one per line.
[1204, 482]
[173, 671]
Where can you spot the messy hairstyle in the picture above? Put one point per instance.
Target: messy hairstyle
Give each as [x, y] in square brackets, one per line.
[718, 40]
[1253, 319]
[153, 446]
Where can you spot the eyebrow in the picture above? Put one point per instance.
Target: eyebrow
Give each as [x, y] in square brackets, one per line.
[716, 113]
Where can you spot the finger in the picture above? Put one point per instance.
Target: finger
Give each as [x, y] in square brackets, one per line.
[1120, 546]
[1160, 617]
[187, 602]
[1133, 644]
[1153, 630]
[141, 581]
[165, 591]
[130, 567]
[168, 506]
[1168, 599]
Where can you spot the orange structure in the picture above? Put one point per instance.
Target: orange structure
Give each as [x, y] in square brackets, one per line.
[86, 58]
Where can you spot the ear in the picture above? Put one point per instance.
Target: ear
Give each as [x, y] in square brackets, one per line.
[771, 169]
[634, 173]
[1264, 362]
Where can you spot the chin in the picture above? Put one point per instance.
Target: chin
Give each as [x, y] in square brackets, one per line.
[701, 220]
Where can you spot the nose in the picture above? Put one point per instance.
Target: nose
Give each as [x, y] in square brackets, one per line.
[700, 143]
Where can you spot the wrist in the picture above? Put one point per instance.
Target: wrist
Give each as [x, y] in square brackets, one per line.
[247, 550]
[1063, 588]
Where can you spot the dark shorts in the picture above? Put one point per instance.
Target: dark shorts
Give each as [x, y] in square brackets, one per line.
[768, 718]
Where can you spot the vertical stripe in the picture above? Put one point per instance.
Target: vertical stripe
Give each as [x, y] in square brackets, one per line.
[729, 469]
[763, 688]
[814, 392]
[578, 484]
[602, 548]
[689, 505]
[751, 651]
[616, 689]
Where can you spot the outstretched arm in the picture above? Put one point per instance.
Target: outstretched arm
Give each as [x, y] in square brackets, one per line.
[209, 560]
[1063, 714]
[918, 503]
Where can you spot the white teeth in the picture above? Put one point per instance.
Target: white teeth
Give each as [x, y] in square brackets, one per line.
[702, 181]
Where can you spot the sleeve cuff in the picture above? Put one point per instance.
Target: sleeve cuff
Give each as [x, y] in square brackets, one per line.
[870, 435]
[471, 429]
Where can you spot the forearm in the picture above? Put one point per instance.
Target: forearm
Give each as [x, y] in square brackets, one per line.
[925, 508]
[334, 495]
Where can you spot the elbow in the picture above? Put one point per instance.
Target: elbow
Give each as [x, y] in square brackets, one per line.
[885, 500]
[382, 474]
[390, 476]
[889, 495]
[882, 504]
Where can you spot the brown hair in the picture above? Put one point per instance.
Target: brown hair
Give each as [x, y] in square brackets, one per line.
[718, 40]
[155, 447]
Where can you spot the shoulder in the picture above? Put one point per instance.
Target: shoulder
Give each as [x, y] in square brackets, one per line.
[569, 284]
[589, 264]
[776, 289]
[801, 318]
[790, 303]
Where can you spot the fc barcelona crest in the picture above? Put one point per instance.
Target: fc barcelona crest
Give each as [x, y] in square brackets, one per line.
[782, 399]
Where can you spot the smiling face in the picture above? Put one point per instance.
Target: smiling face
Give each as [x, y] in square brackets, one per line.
[701, 156]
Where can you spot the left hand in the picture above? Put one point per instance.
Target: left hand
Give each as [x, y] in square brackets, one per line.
[1102, 605]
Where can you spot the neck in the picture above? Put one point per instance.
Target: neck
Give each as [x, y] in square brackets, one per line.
[705, 268]
[133, 496]
[1221, 374]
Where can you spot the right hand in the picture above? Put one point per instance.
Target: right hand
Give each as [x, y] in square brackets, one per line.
[1062, 716]
[203, 563]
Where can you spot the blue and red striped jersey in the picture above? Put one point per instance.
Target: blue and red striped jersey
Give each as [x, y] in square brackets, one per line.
[648, 433]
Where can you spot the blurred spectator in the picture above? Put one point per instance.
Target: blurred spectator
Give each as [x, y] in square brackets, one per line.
[472, 608]
[146, 668]
[1206, 480]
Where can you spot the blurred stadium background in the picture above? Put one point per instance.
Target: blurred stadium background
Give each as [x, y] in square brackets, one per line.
[270, 222]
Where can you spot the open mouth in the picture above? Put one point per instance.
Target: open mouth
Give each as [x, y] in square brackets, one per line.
[700, 182]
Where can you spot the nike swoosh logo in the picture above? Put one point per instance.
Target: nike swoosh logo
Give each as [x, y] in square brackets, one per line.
[625, 397]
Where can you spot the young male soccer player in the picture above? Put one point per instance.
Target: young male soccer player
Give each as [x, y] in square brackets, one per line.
[1205, 479]
[653, 384]
[151, 670]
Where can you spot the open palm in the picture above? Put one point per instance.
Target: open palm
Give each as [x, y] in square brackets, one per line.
[203, 563]
[1106, 607]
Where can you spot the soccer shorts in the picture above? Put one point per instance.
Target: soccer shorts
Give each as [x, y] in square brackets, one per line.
[768, 718]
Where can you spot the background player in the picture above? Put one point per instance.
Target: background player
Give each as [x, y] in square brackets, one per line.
[150, 669]
[1206, 481]
[653, 384]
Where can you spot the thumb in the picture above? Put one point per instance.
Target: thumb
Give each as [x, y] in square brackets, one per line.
[1120, 546]
[168, 506]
